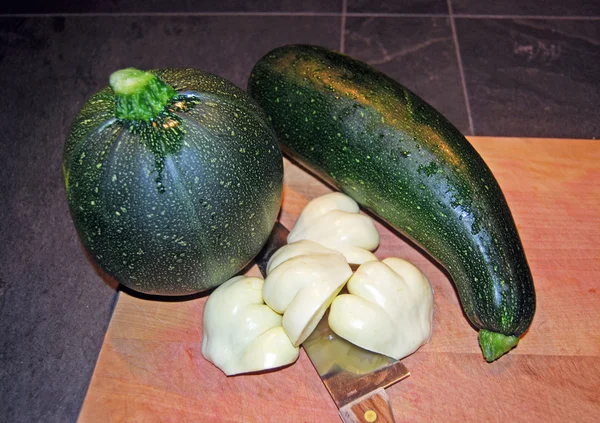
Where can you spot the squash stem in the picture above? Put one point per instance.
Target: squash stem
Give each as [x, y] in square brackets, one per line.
[140, 95]
[494, 345]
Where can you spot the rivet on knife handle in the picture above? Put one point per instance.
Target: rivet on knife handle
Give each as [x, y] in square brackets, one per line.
[372, 408]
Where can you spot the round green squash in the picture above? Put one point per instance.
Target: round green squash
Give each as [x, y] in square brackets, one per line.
[173, 179]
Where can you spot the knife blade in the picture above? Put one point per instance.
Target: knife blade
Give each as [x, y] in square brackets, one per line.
[354, 377]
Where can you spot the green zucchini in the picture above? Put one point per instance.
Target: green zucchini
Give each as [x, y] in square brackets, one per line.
[173, 179]
[399, 158]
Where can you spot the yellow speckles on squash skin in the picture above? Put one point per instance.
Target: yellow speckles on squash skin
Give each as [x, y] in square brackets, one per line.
[167, 214]
[344, 99]
[66, 179]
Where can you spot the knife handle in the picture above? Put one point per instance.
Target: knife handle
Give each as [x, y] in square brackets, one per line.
[374, 407]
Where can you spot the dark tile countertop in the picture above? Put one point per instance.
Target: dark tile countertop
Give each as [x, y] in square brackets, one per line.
[511, 68]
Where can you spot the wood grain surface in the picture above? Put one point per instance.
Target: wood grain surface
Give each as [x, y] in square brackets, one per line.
[150, 367]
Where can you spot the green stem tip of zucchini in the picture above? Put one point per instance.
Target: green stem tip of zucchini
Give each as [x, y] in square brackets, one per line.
[140, 95]
[494, 345]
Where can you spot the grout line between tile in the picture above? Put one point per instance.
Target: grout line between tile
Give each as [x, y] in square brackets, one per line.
[460, 67]
[304, 14]
[396, 15]
[549, 17]
[165, 14]
[343, 26]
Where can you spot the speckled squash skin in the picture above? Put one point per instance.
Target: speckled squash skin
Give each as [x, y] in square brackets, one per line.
[401, 159]
[180, 204]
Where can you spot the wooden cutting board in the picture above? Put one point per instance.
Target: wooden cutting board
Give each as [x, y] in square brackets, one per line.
[150, 367]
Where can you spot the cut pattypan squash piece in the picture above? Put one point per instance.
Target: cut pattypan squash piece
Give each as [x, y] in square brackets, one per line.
[389, 308]
[302, 280]
[333, 220]
[240, 333]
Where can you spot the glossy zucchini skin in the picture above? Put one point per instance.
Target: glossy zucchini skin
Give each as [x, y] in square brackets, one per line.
[399, 158]
[180, 203]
